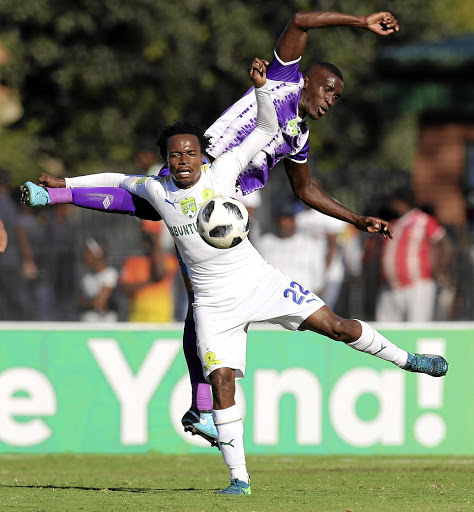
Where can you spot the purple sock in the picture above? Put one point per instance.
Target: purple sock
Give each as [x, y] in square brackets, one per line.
[201, 390]
[60, 195]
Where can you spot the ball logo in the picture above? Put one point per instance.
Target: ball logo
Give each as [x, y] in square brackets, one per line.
[223, 222]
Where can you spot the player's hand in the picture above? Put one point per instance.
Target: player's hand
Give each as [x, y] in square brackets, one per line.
[258, 72]
[46, 180]
[382, 23]
[375, 225]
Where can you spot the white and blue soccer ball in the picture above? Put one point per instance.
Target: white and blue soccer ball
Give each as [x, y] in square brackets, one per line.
[223, 222]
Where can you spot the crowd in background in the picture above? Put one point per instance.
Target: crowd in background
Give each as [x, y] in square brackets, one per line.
[68, 264]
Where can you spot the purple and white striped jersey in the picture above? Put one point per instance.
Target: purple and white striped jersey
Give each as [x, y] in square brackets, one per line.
[285, 82]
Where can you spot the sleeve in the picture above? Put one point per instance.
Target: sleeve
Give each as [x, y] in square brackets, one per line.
[267, 125]
[302, 156]
[106, 179]
[142, 186]
[434, 230]
[284, 71]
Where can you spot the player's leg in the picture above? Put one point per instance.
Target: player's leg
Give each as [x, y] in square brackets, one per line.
[230, 428]
[106, 199]
[198, 419]
[361, 336]
[222, 344]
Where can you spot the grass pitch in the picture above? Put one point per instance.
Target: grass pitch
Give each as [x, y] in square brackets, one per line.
[187, 483]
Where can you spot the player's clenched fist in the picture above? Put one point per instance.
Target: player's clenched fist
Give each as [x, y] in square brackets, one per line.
[258, 72]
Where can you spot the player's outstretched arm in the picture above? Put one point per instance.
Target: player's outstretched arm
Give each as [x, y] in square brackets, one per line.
[105, 199]
[307, 190]
[292, 41]
[267, 122]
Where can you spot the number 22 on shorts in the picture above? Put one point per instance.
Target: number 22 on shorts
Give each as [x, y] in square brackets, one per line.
[297, 297]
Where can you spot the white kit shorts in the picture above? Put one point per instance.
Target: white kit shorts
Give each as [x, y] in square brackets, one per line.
[222, 327]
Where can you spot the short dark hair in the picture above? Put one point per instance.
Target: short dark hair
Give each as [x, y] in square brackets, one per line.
[329, 67]
[182, 128]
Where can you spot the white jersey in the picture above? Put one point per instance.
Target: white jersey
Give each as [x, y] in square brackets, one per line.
[215, 273]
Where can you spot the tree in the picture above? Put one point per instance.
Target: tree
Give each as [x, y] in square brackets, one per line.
[95, 78]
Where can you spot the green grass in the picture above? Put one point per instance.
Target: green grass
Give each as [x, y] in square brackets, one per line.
[187, 483]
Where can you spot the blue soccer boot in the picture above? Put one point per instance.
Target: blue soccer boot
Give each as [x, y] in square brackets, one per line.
[433, 365]
[34, 195]
[200, 423]
[236, 487]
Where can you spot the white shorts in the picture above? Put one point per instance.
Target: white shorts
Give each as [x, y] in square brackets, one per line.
[222, 328]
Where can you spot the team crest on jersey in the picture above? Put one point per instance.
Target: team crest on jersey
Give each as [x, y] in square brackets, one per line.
[188, 206]
[292, 127]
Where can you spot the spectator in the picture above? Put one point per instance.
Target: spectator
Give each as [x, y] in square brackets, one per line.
[252, 202]
[63, 261]
[147, 279]
[326, 252]
[16, 260]
[146, 160]
[97, 286]
[418, 257]
[38, 291]
[289, 251]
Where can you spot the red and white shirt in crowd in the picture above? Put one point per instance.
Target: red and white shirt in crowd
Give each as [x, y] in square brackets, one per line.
[407, 259]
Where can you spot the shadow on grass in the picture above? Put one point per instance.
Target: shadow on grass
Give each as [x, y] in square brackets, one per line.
[101, 489]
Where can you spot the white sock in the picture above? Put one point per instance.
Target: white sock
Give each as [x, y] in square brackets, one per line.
[372, 342]
[230, 435]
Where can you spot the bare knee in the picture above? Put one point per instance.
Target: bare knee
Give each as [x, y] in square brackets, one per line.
[345, 330]
[336, 329]
[325, 322]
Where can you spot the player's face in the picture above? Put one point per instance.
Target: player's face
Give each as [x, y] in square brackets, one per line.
[184, 159]
[320, 92]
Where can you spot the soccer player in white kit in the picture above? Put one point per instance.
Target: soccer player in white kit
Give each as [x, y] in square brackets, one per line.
[237, 286]
[297, 96]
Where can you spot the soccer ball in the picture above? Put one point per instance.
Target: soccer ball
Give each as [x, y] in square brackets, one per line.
[223, 222]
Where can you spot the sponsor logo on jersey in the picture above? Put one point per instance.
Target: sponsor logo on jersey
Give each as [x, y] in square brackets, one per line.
[186, 230]
[292, 127]
[188, 206]
[140, 181]
[207, 194]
